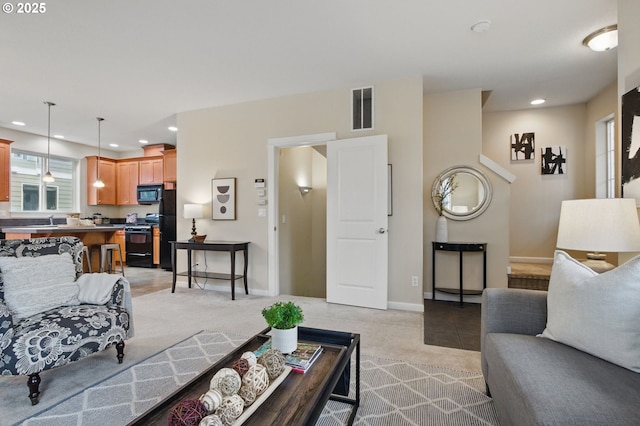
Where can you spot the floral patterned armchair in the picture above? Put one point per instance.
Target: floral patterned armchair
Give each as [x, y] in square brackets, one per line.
[60, 335]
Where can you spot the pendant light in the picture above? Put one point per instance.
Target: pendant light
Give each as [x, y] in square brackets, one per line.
[48, 177]
[99, 183]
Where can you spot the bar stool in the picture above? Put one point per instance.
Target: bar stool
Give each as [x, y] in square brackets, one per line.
[106, 253]
[86, 254]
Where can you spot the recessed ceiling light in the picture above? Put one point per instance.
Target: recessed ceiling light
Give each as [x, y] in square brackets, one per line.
[115, 145]
[18, 123]
[538, 101]
[143, 141]
[58, 136]
[603, 39]
[173, 128]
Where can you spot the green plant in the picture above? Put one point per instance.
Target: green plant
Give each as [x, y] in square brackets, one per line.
[283, 315]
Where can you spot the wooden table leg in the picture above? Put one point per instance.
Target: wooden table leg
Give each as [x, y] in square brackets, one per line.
[173, 266]
[189, 266]
[233, 273]
[246, 269]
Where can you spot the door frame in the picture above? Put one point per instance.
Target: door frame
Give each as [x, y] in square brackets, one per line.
[273, 149]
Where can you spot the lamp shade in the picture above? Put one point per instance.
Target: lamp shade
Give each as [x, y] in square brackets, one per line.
[600, 225]
[193, 211]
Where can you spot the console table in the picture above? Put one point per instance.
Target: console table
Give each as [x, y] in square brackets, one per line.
[461, 248]
[229, 246]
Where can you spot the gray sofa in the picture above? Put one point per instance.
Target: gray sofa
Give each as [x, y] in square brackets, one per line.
[537, 381]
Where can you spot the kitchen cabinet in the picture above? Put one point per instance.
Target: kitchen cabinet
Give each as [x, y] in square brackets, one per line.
[106, 195]
[151, 171]
[127, 182]
[156, 245]
[5, 169]
[170, 168]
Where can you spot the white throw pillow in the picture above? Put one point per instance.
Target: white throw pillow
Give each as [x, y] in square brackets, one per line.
[36, 284]
[596, 313]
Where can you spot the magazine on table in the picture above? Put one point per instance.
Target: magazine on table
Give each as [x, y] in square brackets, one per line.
[300, 359]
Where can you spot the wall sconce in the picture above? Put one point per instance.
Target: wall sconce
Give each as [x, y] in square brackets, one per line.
[305, 189]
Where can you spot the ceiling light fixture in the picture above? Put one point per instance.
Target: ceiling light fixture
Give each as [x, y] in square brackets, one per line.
[115, 145]
[173, 128]
[58, 136]
[143, 141]
[538, 101]
[48, 177]
[18, 123]
[603, 39]
[99, 183]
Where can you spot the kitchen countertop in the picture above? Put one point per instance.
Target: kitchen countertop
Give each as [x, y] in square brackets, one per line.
[59, 229]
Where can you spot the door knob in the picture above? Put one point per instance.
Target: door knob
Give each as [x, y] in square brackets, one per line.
[381, 231]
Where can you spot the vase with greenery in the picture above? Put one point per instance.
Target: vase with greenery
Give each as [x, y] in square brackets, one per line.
[283, 318]
[443, 190]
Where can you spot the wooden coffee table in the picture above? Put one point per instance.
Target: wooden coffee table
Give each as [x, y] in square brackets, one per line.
[299, 399]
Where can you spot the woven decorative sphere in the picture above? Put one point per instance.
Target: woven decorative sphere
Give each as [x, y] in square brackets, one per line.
[241, 366]
[250, 357]
[211, 420]
[230, 409]
[273, 361]
[248, 394]
[256, 378]
[227, 380]
[187, 412]
[211, 399]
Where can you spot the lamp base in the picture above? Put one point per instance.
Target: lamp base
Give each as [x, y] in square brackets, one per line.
[597, 262]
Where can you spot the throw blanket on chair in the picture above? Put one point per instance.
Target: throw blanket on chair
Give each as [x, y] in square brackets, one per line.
[95, 289]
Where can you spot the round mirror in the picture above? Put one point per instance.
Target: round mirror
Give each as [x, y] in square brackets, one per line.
[461, 192]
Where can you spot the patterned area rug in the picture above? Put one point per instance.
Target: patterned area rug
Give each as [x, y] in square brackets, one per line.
[392, 392]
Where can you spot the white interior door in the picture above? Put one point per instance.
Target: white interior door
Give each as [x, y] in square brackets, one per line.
[357, 242]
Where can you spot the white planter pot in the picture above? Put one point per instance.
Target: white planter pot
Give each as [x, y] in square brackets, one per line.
[442, 232]
[286, 341]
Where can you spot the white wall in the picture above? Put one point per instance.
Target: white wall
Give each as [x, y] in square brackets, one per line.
[231, 141]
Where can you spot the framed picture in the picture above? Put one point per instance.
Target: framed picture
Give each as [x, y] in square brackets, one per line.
[223, 204]
[523, 146]
[553, 160]
[631, 145]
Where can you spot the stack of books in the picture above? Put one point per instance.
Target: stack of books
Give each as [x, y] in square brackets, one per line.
[299, 360]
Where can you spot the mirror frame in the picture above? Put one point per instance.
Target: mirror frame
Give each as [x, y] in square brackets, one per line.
[488, 191]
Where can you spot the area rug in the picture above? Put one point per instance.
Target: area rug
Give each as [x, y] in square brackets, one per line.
[392, 392]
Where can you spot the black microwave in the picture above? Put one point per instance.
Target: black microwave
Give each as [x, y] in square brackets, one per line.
[149, 194]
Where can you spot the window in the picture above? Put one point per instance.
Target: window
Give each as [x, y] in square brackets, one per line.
[362, 108]
[606, 158]
[611, 158]
[30, 194]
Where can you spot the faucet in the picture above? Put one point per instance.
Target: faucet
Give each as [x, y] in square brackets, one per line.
[51, 220]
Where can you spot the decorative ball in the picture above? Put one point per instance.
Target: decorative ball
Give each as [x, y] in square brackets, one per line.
[273, 361]
[187, 412]
[227, 380]
[211, 420]
[241, 366]
[211, 399]
[248, 394]
[250, 357]
[230, 409]
[256, 378]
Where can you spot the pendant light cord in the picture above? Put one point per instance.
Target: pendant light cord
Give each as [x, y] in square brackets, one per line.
[99, 121]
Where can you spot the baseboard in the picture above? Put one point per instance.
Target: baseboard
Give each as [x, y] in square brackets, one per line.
[223, 287]
[401, 306]
[454, 297]
[517, 259]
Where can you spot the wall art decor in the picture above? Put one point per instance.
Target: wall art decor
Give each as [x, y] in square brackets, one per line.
[523, 146]
[631, 144]
[553, 160]
[223, 204]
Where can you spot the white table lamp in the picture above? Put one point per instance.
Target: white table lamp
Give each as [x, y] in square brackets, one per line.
[193, 212]
[599, 225]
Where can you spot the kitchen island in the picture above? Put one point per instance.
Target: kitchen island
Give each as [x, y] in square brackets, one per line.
[89, 235]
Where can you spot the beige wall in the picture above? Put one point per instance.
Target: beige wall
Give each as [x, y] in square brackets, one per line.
[452, 137]
[231, 141]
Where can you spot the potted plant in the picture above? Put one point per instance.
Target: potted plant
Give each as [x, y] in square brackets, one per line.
[283, 318]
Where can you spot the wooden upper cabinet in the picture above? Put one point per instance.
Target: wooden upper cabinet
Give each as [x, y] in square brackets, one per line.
[170, 166]
[127, 182]
[151, 171]
[5, 169]
[106, 195]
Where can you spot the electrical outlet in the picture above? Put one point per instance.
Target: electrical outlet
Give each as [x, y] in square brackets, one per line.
[414, 281]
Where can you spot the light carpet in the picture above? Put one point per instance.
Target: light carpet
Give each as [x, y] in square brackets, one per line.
[392, 392]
